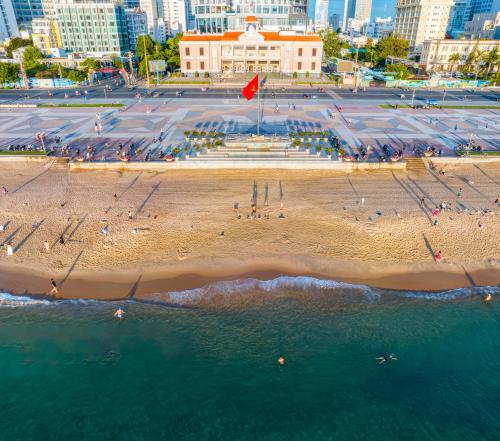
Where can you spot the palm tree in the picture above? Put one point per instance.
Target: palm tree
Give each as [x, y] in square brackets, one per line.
[454, 59]
[491, 59]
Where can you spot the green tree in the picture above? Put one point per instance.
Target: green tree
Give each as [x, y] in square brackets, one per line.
[118, 63]
[9, 73]
[495, 78]
[91, 63]
[172, 54]
[16, 43]
[454, 59]
[332, 43]
[491, 59]
[75, 75]
[392, 46]
[32, 58]
[400, 71]
[144, 40]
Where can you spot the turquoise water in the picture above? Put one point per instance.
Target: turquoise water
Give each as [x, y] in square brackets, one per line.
[175, 369]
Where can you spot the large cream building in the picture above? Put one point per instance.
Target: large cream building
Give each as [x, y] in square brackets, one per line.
[251, 50]
[421, 20]
[436, 53]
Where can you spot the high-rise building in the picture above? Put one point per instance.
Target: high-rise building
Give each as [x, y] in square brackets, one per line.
[154, 12]
[137, 24]
[321, 14]
[480, 6]
[221, 15]
[379, 28]
[335, 21]
[483, 26]
[46, 35]
[8, 24]
[360, 10]
[420, 20]
[93, 28]
[26, 11]
[458, 17]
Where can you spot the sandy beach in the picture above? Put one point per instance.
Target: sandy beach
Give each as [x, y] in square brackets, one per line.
[365, 227]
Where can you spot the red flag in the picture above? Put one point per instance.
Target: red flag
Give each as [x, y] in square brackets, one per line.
[251, 88]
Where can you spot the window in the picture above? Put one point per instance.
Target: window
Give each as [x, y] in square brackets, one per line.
[202, 65]
[299, 65]
[314, 53]
[187, 52]
[313, 66]
[300, 53]
[202, 52]
[188, 65]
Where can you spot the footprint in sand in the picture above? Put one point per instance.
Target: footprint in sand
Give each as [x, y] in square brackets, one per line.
[182, 253]
[285, 240]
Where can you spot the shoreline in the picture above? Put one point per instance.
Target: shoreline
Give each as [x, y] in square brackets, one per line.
[124, 286]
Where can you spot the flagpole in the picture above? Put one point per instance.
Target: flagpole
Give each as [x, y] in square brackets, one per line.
[258, 105]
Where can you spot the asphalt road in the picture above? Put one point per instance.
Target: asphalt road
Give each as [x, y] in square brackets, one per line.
[379, 95]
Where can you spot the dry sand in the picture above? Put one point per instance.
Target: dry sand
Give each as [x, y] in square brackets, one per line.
[326, 232]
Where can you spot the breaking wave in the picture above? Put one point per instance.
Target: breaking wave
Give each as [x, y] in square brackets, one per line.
[254, 289]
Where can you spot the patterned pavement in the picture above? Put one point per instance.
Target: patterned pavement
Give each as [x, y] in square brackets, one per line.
[356, 125]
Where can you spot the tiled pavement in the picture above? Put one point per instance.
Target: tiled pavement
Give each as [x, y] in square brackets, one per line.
[356, 125]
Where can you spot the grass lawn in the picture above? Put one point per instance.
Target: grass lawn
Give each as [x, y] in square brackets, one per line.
[22, 153]
[185, 82]
[406, 106]
[83, 105]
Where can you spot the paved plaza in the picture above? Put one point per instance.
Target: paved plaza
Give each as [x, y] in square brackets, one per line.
[357, 125]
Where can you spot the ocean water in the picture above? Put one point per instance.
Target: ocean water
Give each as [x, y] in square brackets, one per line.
[202, 365]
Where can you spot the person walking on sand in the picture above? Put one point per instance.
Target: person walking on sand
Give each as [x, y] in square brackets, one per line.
[61, 240]
[422, 199]
[54, 289]
[46, 246]
[438, 257]
[459, 192]
[129, 215]
[4, 190]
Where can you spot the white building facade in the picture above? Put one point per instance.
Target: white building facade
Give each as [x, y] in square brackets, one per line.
[484, 26]
[420, 20]
[251, 50]
[436, 53]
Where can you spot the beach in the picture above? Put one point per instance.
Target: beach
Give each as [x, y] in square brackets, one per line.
[179, 230]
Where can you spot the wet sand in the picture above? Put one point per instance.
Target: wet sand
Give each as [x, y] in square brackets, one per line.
[363, 228]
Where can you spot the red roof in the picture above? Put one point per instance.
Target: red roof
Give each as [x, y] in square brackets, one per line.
[234, 36]
[251, 18]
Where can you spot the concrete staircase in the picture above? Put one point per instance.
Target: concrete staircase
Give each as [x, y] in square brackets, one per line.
[272, 153]
[415, 164]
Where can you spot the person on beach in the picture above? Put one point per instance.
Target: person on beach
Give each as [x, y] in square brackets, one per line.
[129, 215]
[54, 289]
[4, 190]
[281, 361]
[46, 246]
[459, 192]
[385, 358]
[487, 298]
[61, 240]
[119, 313]
[422, 199]
[438, 257]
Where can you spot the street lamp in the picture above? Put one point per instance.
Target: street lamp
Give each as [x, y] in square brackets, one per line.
[40, 136]
[413, 97]
[444, 95]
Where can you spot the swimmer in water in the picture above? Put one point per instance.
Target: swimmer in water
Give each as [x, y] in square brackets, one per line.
[119, 313]
[385, 358]
[487, 298]
[281, 361]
